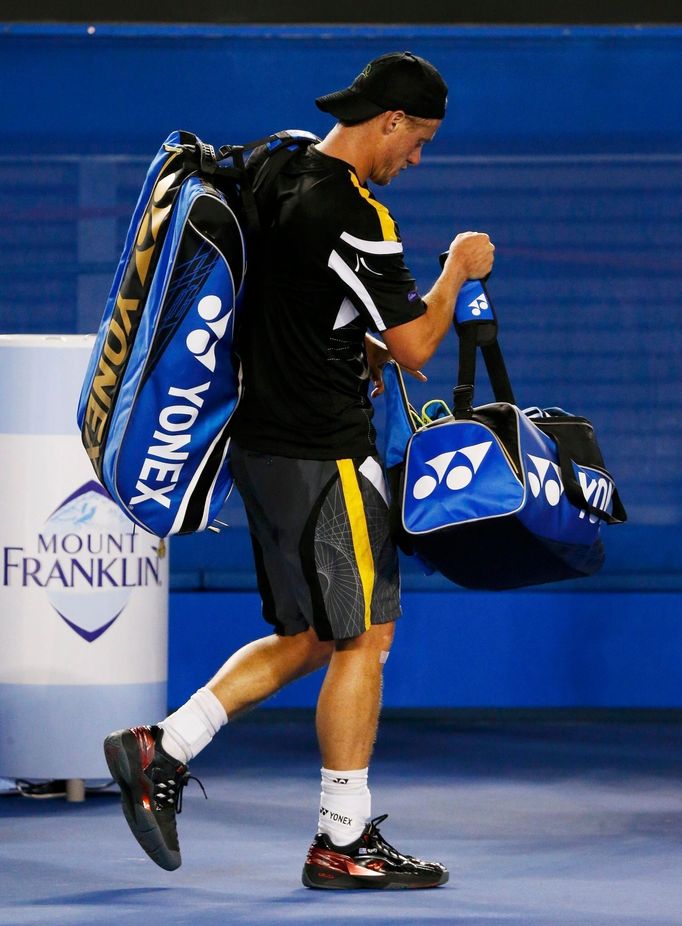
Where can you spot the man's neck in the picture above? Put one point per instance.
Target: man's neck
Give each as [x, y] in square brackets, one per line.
[349, 144]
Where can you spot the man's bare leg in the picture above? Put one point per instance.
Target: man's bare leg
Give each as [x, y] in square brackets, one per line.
[252, 674]
[347, 718]
[258, 670]
[350, 699]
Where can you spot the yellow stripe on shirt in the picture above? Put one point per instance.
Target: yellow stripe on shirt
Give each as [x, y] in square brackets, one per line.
[387, 224]
[359, 532]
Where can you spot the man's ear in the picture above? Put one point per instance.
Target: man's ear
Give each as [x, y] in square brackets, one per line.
[392, 120]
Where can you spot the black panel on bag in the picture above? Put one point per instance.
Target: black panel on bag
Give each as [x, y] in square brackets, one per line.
[502, 554]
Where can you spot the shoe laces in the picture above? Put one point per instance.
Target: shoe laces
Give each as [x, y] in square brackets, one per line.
[373, 833]
[168, 790]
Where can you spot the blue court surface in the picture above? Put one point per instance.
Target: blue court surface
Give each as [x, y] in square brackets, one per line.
[541, 823]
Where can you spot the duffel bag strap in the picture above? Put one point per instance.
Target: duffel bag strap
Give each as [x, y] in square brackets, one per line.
[463, 394]
[574, 493]
[497, 372]
[475, 322]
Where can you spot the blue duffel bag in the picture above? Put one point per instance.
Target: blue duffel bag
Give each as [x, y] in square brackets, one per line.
[162, 382]
[494, 497]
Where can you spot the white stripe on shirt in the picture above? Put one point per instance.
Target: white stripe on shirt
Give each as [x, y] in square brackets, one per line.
[372, 247]
[341, 268]
[347, 312]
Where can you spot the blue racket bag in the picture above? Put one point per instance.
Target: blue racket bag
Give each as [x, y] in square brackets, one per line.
[162, 382]
[494, 497]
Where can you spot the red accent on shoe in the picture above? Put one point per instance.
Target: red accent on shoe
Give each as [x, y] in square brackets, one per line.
[327, 859]
[336, 861]
[146, 744]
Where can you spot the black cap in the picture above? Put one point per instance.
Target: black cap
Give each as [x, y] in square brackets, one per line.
[399, 80]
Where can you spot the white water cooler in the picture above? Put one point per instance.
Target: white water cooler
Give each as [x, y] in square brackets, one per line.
[83, 593]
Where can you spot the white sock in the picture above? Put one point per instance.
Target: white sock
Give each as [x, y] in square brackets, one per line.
[345, 805]
[192, 726]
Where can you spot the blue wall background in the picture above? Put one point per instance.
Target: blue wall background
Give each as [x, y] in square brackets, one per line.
[565, 144]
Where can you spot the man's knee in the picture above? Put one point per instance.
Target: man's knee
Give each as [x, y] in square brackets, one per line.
[378, 638]
[319, 652]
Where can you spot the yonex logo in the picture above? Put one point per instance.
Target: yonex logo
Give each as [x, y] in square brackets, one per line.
[164, 460]
[199, 341]
[336, 817]
[598, 492]
[547, 477]
[456, 478]
[169, 451]
[478, 305]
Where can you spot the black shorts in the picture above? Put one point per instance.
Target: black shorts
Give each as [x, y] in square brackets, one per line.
[320, 533]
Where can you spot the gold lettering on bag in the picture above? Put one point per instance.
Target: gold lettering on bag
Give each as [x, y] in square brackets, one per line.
[126, 307]
[159, 216]
[125, 318]
[104, 379]
[116, 344]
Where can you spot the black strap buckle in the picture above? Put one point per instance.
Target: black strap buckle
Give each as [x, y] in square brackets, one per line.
[207, 158]
[463, 398]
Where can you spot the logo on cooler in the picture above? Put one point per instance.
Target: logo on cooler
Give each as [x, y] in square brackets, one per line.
[88, 559]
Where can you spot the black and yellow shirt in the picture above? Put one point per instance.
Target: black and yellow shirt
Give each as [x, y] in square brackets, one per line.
[329, 268]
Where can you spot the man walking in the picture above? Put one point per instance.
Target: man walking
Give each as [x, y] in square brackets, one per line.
[329, 268]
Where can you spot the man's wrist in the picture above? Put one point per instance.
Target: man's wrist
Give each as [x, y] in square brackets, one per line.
[454, 275]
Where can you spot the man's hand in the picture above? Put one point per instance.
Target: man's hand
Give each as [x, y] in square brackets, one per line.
[377, 355]
[470, 257]
[474, 253]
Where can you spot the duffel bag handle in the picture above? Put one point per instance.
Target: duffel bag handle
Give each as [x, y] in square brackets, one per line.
[475, 322]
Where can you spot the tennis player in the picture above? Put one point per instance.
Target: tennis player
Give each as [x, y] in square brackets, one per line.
[328, 272]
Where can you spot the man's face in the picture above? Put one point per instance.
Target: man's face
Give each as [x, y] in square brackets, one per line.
[402, 147]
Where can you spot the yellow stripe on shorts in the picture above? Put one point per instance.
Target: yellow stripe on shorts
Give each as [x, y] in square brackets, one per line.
[359, 532]
[387, 223]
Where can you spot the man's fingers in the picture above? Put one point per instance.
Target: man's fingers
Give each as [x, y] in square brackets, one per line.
[378, 381]
[475, 251]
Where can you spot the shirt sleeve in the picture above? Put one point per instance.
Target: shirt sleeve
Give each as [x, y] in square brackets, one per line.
[367, 259]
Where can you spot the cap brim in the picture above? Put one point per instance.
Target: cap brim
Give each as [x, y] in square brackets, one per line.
[348, 106]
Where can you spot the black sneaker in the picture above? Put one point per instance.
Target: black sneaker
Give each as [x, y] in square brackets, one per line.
[151, 784]
[369, 862]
